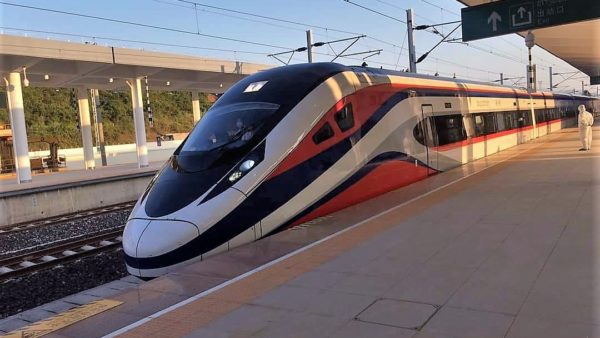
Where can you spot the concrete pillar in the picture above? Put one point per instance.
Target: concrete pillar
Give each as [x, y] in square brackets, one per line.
[17, 121]
[137, 102]
[86, 128]
[196, 106]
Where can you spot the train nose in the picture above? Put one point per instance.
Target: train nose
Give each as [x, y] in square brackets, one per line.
[132, 234]
[149, 238]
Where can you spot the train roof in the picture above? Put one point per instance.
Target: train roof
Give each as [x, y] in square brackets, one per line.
[383, 71]
[306, 75]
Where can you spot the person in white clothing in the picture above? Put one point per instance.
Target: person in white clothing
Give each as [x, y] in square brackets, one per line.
[585, 122]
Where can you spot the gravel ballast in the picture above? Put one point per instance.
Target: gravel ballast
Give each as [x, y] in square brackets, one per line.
[22, 293]
[21, 242]
[39, 288]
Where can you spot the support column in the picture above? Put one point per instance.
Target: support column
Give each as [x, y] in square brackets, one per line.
[17, 122]
[86, 128]
[309, 45]
[412, 59]
[137, 102]
[196, 106]
[99, 125]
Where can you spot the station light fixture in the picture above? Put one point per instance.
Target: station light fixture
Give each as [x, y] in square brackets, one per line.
[111, 80]
[25, 80]
[46, 77]
[168, 83]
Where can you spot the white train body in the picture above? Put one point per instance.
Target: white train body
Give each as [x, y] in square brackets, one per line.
[294, 143]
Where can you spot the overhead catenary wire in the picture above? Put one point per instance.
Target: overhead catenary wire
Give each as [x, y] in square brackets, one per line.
[268, 17]
[374, 11]
[94, 37]
[390, 17]
[504, 55]
[140, 24]
[196, 6]
[172, 29]
[224, 12]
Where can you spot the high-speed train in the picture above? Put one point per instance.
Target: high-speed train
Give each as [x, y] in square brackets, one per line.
[290, 144]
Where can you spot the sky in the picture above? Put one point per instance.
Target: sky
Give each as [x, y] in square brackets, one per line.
[186, 27]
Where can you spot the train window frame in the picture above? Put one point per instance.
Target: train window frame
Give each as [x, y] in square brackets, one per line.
[323, 134]
[347, 122]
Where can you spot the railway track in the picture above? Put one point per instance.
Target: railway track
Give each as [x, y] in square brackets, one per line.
[65, 218]
[63, 252]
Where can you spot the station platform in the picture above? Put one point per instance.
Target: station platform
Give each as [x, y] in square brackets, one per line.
[67, 191]
[51, 180]
[506, 246]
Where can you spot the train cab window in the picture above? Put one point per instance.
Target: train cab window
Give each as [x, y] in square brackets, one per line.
[344, 118]
[323, 134]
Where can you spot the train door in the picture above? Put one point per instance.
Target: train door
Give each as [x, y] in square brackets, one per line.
[430, 136]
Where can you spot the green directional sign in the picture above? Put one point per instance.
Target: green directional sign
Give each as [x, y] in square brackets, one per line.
[511, 16]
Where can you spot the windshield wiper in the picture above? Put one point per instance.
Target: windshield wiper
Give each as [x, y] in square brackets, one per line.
[234, 138]
[239, 134]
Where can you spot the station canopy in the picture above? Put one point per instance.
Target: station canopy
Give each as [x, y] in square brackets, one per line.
[51, 63]
[576, 43]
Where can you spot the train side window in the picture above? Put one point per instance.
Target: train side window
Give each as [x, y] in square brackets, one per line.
[527, 117]
[485, 124]
[540, 115]
[501, 122]
[450, 129]
[324, 133]
[344, 118]
[509, 120]
[479, 125]
[490, 123]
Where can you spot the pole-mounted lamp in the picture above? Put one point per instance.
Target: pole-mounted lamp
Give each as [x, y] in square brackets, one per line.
[25, 80]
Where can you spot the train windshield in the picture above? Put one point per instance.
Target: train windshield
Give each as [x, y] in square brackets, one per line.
[229, 126]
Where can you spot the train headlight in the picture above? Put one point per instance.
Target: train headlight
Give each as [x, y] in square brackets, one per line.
[235, 176]
[247, 165]
[238, 171]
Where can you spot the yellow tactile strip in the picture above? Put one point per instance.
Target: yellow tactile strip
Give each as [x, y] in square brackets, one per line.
[203, 311]
[65, 319]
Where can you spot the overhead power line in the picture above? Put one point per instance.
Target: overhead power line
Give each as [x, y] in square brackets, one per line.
[303, 24]
[196, 10]
[440, 7]
[139, 24]
[94, 37]
[374, 11]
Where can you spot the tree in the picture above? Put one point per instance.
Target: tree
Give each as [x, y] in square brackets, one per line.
[51, 112]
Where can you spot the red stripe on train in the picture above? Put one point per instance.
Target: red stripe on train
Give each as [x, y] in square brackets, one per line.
[365, 102]
[386, 177]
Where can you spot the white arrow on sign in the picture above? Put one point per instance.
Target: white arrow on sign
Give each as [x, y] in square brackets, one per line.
[493, 19]
[521, 11]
